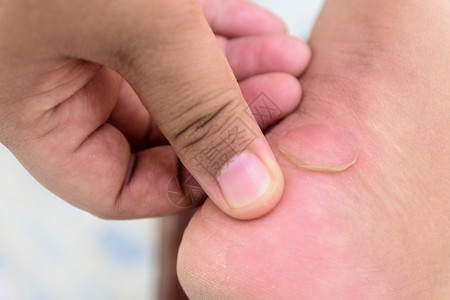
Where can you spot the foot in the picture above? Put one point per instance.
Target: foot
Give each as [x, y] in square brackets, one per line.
[366, 159]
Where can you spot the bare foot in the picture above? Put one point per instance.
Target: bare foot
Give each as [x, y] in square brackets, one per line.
[366, 158]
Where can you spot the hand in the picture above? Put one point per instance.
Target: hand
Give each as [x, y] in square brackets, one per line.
[75, 79]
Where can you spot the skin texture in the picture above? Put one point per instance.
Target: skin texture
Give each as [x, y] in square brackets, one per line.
[88, 107]
[379, 229]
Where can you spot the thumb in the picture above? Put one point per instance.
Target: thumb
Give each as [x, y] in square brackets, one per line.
[173, 62]
[185, 82]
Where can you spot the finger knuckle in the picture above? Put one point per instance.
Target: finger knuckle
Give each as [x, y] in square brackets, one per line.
[203, 120]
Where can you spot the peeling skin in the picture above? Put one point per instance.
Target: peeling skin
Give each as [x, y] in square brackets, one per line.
[317, 168]
[320, 148]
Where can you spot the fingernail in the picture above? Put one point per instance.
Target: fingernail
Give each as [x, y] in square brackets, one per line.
[244, 180]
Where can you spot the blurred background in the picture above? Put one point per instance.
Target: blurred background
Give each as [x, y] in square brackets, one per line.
[51, 250]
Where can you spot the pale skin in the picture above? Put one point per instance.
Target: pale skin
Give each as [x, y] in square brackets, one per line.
[93, 92]
[379, 228]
